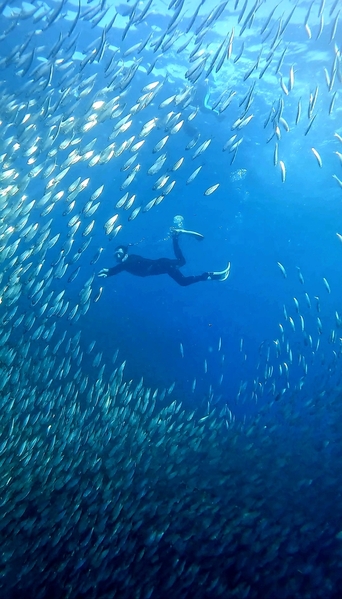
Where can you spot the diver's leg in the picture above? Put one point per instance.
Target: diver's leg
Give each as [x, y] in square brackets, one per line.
[177, 276]
[162, 266]
[178, 252]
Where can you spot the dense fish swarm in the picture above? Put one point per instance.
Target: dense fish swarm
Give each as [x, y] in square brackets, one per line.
[118, 492]
[109, 488]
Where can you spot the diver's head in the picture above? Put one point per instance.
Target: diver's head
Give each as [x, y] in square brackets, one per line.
[121, 252]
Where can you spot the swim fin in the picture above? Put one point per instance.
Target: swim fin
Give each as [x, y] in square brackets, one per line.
[221, 275]
[197, 236]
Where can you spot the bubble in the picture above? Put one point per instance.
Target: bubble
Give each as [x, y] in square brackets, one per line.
[178, 221]
[238, 175]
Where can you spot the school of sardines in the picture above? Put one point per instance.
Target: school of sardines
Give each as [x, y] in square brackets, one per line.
[102, 491]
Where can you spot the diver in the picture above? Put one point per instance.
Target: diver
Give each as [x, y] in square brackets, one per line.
[145, 267]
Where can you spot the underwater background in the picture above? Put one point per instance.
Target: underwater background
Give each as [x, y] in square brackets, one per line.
[157, 440]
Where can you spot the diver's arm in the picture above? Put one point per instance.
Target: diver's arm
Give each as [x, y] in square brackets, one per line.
[109, 272]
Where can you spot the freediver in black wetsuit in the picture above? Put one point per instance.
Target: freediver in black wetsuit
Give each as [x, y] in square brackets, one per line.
[145, 267]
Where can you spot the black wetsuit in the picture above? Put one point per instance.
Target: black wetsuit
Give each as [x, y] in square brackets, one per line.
[145, 267]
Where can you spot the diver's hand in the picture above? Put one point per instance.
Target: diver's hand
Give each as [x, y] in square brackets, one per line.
[103, 273]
